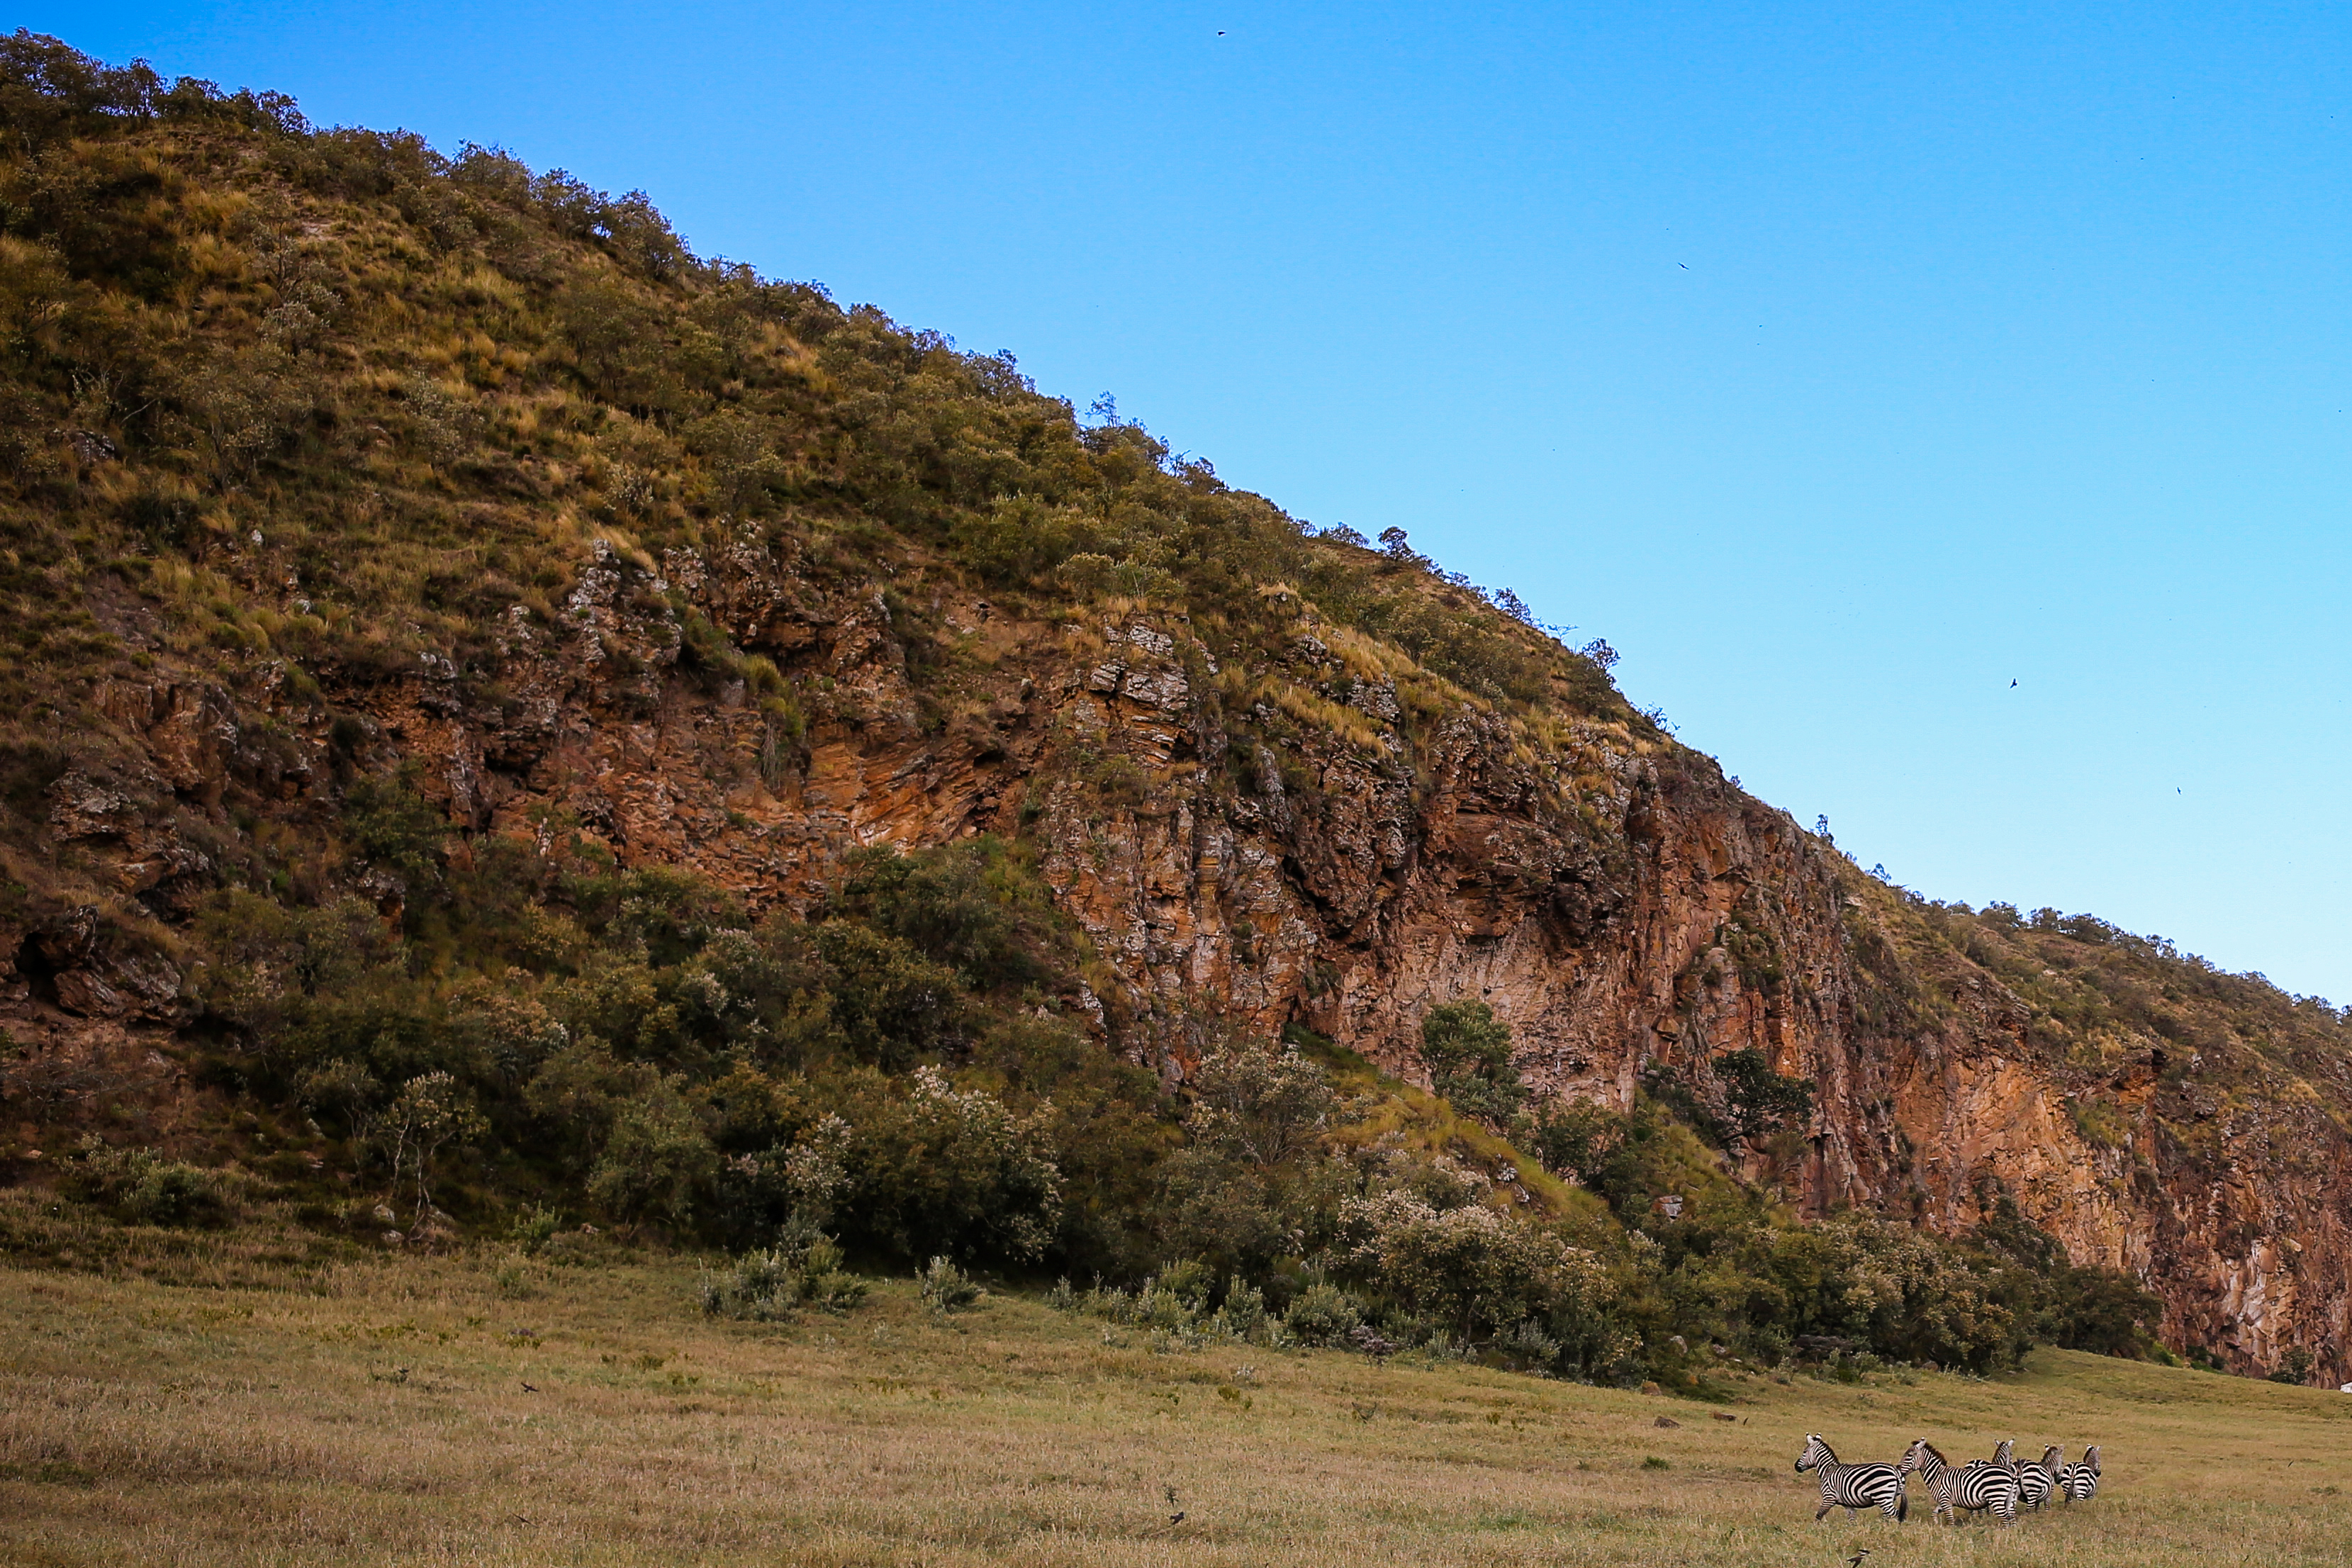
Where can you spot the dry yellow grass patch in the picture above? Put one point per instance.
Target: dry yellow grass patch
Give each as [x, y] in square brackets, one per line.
[376, 1412]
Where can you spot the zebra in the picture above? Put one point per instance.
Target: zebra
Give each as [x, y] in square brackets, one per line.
[2080, 1482]
[1978, 1484]
[2036, 1482]
[1850, 1486]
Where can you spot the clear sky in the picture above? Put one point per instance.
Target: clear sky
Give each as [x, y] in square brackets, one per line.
[1843, 365]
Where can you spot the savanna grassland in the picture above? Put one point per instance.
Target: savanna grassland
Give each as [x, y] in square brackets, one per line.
[234, 1402]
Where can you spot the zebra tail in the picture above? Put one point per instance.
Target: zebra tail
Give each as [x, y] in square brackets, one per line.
[1902, 1505]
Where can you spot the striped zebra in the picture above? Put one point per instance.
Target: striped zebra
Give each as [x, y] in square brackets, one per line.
[1979, 1484]
[2080, 1481]
[2035, 1483]
[1850, 1486]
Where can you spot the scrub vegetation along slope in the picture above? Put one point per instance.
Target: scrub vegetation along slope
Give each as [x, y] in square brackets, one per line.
[513, 726]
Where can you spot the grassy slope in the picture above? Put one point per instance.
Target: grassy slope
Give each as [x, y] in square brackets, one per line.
[270, 1420]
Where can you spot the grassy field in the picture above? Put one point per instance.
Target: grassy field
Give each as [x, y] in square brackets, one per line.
[260, 1409]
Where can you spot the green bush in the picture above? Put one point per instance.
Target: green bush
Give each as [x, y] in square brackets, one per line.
[1469, 1270]
[1243, 1315]
[534, 1227]
[1468, 1052]
[946, 1288]
[1258, 1103]
[1583, 1140]
[967, 905]
[936, 1170]
[774, 1284]
[2100, 1310]
[657, 1159]
[142, 1186]
[392, 826]
[1323, 1314]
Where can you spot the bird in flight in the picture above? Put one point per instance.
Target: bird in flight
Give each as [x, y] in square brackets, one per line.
[528, 1389]
[1855, 1561]
[2012, 683]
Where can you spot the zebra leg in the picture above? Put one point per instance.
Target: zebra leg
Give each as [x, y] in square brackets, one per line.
[1823, 1512]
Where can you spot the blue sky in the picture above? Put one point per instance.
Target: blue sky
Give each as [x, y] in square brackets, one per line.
[1840, 365]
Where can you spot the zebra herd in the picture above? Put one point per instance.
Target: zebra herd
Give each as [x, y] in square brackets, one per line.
[2001, 1484]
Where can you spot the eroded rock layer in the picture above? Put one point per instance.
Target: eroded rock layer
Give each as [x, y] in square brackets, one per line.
[1620, 904]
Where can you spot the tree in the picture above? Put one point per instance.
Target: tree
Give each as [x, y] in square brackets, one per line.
[1755, 1099]
[431, 1111]
[1469, 1055]
[1262, 1104]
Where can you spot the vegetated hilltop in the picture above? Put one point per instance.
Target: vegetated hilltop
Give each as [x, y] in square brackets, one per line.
[508, 718]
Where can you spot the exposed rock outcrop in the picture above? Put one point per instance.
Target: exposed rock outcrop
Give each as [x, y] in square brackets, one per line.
[1619, 904]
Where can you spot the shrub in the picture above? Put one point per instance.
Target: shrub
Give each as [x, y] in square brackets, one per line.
[655, 1160]
[946, 1288]
[774, 1284]
[1580, 1139]
[1323, 1314]
[969, 905]
[431, 1111]
[1528, 1347]
[944, 1171]
[2100, 1310]
[1213, 1206]
[392, 826]
[142, 1186]
[1243, 1315]
[1470, 1269]
[534, 1227]
[893, 1005]
[1263, 1104]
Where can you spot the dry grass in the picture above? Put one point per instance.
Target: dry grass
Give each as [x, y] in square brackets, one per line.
[374, 1412]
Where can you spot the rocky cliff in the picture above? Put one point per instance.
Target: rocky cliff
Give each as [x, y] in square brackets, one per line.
[330, 458]
[1619, 904]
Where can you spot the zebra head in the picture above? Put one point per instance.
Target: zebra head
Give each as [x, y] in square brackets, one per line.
[2002, 1452]
[1922, 1458]
[2091, 1458]
[2053, 1458]
[1817, 1452]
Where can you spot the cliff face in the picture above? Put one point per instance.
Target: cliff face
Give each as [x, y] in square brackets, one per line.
[1616, 901]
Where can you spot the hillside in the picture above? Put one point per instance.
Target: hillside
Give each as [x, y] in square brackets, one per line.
[507, 720]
